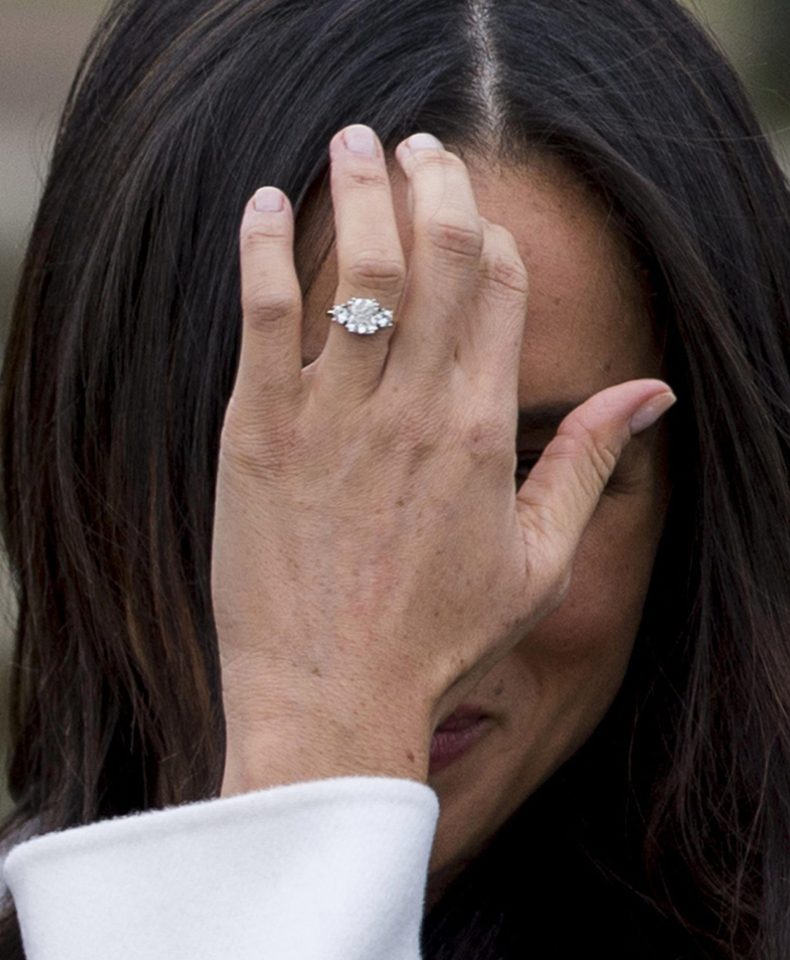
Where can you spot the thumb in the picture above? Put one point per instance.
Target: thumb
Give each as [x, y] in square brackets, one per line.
[559, 497]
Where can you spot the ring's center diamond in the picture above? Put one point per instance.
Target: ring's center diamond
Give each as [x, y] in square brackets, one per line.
[364, 310]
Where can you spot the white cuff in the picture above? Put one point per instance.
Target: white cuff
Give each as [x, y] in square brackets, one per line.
[331, 869]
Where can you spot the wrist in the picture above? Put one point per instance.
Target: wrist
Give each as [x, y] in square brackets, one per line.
[297, 747]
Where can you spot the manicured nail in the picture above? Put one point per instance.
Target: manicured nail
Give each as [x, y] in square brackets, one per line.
[268, 200]
[424, 141]
[360, 139]
[649, 412]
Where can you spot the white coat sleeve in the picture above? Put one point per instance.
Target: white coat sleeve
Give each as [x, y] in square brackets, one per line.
[331, 869]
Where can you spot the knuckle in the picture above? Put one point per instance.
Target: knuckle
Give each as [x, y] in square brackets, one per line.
[255, 446]
[444, 159]
[564, 446]
[262, 234]
[602, 456]
[595, 457]
[505, 274]
[377, 271]
[411, 431]
[458, 238]
[241, 451]
[366, 177]
[263, 306]
[489, 439]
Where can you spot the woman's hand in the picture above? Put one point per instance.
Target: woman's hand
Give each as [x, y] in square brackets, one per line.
[371, 556]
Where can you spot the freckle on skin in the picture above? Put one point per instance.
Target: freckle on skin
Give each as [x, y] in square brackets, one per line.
[410, 756]
[316, 671]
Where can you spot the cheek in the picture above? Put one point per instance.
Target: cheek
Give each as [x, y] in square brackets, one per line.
[576, 657]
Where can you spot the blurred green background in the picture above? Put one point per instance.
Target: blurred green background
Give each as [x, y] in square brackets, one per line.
[40, 43]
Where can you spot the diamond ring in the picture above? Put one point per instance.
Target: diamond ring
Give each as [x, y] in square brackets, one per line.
[361, 315]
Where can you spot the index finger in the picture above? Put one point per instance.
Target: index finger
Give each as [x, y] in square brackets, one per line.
[559, 497]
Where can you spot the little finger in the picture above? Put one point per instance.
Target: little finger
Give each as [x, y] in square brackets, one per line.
[269, 367]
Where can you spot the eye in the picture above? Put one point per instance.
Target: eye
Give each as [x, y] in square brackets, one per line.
[526, 460]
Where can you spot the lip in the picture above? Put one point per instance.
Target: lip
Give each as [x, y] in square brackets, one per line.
[456, 736]
[462, 717]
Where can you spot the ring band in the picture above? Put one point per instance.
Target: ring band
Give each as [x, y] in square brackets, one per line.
[361, 315]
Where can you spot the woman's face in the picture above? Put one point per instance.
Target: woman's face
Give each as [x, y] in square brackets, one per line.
[587, 327]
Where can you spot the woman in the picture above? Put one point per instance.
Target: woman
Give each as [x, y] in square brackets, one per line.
[612, 231]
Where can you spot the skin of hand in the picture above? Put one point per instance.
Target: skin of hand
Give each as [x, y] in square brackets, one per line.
[372, 562]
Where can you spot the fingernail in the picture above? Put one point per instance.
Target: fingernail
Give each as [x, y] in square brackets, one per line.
[649, 412]
[268, 200]
[360, 139]
[424, 141]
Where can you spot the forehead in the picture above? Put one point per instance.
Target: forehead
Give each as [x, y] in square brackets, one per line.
[587, 322]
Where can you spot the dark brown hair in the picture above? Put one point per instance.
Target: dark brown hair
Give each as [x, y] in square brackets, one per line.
[666, 835]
